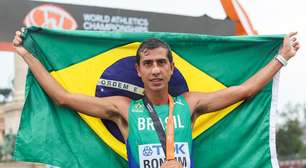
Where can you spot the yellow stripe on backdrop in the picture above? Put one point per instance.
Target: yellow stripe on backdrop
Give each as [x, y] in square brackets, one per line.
[83, 78]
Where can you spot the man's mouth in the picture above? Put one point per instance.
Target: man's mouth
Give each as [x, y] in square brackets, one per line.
[156, 80]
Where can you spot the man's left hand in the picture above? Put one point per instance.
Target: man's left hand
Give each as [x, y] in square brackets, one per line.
[290, 46]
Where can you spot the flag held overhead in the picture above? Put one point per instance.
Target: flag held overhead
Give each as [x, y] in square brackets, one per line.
[102, 64]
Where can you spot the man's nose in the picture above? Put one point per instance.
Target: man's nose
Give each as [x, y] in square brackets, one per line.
[155, 69]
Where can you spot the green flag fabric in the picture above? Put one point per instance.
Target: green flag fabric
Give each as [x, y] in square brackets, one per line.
[102, 64]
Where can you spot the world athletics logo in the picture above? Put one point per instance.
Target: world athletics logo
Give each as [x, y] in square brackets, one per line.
[50, 16]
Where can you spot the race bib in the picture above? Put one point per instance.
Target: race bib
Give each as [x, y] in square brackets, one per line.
[152, 155]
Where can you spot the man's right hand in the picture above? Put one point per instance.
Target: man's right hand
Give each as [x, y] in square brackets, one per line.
[17, 43]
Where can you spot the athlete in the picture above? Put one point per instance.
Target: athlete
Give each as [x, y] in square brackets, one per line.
[155, 66]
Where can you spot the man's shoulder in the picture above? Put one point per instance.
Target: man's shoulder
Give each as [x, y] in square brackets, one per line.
[191, 96]
[186, 95]
[120, 101]
[191, 99]
[122, 104]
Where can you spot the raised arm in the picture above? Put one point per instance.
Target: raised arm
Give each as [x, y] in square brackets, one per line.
[208, 102]
[108, 107]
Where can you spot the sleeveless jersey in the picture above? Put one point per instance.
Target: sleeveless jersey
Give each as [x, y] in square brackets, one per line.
[143, 145]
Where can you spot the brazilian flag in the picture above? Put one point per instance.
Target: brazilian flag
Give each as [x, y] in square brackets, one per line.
[102, 64]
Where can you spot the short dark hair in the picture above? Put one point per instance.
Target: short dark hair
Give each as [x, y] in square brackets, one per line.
[150, 44]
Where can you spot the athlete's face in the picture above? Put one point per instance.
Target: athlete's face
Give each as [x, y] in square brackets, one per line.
[155, 69]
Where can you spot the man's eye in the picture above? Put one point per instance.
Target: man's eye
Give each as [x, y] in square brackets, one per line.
[147, 63]
[161, 62]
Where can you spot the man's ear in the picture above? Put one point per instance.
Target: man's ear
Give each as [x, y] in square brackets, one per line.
[137, 69]
[172, 67]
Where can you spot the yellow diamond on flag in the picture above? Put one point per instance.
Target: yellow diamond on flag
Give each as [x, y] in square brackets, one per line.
[84, 76]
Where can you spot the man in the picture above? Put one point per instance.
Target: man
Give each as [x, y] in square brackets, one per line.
[155, 66]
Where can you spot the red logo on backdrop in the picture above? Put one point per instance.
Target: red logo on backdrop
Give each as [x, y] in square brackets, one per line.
[50, 16]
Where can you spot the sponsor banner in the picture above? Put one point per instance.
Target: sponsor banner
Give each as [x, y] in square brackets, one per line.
[17, 13]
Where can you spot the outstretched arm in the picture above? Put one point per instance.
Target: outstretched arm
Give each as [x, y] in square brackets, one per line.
[208, 102]
[108, 107]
